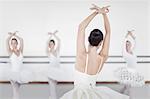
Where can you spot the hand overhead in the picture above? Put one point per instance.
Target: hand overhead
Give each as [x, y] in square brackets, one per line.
[52, 33]
[102, 10]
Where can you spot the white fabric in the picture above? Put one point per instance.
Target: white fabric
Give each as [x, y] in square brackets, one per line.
[131, 59]
[85, 88]
[17, 72]
[128, 75]
[53, 74]
[54, 61]
[54, 71]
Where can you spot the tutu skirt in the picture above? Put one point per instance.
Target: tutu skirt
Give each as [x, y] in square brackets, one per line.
[129, 76]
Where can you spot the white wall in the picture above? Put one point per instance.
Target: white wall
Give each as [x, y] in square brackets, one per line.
[35, 18]
[149, 33]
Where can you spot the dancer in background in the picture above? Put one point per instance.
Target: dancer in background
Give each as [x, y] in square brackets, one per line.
[128, 75]
[90, 63]
[54, 71]
[17, 75]
[52, 49]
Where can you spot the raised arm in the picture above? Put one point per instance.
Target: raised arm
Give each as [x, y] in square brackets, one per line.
[58, 41]
[81, 33]
[57, 38]
[105, 47]
[8, 43]
[130, 38]
[21, 43]
[130, 34]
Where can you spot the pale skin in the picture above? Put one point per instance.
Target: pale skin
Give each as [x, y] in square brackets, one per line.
[51, 45]
[95, 61]
[14, 44]
[128, 44]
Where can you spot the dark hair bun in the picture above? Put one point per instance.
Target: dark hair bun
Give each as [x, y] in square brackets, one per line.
[96, 36]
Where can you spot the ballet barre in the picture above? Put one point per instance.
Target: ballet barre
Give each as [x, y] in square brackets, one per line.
[39, 63]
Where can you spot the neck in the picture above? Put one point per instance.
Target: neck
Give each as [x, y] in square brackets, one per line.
[129, 51]
[51, 48]
[14, 49]
[92, 48]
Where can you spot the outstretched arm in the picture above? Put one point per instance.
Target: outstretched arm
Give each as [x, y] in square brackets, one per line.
[81, 34]
[105, 48]
[49, 33]
[21, 43]
[130, 34]
[57, 38]
[8, 44]
[58, 41]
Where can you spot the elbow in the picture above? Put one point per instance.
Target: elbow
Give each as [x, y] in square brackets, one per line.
[105, 56]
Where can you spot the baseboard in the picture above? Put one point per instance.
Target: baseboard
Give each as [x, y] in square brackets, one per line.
[69, 82]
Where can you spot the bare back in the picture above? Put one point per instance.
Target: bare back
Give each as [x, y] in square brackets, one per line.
[90, 63]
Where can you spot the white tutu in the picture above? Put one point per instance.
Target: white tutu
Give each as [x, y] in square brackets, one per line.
[94, 93]
[55, 73]
[129, 76]
[23, 76]
[17, 72]
[84, 88]
[54, 70]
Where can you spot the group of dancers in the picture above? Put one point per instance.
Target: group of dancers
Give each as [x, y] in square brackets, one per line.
[89, 62]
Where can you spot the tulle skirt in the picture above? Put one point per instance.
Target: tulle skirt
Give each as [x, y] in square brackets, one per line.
[55, 73]
[23, 76]
[20, 74]
[129, 76]
[84, 92]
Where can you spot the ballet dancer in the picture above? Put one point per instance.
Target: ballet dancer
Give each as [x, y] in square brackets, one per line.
[89, 63]
[128, 75]
[54, 71]
[17, 75]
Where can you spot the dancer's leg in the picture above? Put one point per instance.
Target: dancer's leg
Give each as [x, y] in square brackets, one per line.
[52, 85]
[127, 89]
[123, 89]
[15, 86]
